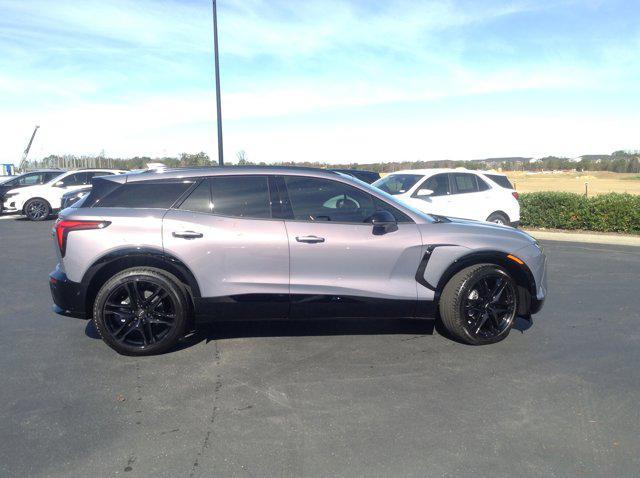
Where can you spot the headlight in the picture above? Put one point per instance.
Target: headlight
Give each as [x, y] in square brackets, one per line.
[10, 195]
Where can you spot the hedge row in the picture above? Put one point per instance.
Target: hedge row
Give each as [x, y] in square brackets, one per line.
[607, 212]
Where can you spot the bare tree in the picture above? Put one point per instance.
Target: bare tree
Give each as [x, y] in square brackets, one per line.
[242, 158]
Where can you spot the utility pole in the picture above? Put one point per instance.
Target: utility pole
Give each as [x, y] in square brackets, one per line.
[217, 68]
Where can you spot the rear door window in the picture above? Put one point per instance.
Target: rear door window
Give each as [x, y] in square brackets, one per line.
[200, 199]
[464, 183]
[241, 196]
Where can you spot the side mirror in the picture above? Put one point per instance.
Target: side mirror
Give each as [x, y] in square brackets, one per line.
[424, 192]
[383, 222]
[59, 184]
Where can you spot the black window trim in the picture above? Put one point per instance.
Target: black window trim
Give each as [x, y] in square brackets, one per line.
[183, 197]
[373, 198]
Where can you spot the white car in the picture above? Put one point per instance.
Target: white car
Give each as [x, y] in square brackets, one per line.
[38, 202]
[459, 193]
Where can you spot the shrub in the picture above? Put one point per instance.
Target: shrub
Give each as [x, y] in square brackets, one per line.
[606, 213]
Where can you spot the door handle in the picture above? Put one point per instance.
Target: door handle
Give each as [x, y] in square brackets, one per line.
[309, 239]
[187, 234]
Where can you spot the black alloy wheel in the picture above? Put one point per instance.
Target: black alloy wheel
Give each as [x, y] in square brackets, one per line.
[141, 311]
[479, 304]
[37, 210]
[490, 305]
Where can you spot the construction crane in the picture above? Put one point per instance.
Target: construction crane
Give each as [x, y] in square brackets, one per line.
[23, 163]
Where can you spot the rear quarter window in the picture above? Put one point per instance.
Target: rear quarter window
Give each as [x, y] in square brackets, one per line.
[500, 180]
[145, 194]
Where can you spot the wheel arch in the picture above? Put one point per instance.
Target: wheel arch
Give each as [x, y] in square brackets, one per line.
[520, 273]
[115, 261]
[500, 211]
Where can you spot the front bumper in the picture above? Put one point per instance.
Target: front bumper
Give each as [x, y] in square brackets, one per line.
[66, 294]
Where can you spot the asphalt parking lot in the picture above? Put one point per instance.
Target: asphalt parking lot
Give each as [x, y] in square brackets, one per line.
[326, 398]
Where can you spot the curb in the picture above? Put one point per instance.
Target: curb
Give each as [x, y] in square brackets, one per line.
[585, 237]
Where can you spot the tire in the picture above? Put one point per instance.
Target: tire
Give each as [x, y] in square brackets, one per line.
[498, 218]
[144, 325]
[468, 309]
[37, 209]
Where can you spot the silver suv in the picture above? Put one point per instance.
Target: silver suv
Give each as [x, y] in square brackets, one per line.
[149, 256]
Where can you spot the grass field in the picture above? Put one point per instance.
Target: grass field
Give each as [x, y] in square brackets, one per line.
[599, 182]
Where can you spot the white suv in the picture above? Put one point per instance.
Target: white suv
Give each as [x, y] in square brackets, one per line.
[460, 193]
[38, 202]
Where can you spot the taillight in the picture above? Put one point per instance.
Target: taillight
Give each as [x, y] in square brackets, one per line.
[515, 195]
[63, 228]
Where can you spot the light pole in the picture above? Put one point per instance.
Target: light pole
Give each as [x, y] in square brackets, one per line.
[217, 68]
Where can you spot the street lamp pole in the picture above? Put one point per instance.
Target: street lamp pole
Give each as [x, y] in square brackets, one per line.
[217, 68]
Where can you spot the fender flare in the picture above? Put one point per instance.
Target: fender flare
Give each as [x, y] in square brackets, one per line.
[132, 257]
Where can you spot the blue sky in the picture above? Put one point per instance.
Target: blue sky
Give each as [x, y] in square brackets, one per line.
[336, 81]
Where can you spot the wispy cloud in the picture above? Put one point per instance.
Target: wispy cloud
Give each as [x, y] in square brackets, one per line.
[136, 76]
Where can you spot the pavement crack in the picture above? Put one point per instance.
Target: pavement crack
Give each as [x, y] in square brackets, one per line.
[210, 428]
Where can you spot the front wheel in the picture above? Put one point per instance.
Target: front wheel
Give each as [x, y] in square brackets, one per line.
[479, 304]
[141, 311]
[37, 209]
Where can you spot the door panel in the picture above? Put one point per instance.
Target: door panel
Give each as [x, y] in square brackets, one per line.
[467, 201]
[241, 264]
[352, 272]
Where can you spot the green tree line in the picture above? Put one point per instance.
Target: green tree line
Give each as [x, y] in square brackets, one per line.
[619, 162]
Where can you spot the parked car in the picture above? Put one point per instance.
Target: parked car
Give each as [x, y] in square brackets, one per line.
[363, 175]
[31, 178]
[38, 202]
[72, 197]
[457, 193]
[147, 256]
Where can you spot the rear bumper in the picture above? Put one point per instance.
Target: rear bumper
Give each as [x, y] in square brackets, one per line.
[66, 294]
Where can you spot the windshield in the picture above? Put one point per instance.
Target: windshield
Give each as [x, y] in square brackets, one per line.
[397, 183]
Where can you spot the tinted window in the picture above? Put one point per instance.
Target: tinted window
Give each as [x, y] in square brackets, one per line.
[199, 200]
[76, 179]
[383, 206]
[241, 196]
[397, 183]
[314, 199]
[145, 194]
[438, 183]
[482, 184]
[50, 176]
[29, 179]
[500, 180]
[465, 183]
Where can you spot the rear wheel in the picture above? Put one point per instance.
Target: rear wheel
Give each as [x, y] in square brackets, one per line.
[479, 304]
[498, 218]
[141, 311]
[37, 209]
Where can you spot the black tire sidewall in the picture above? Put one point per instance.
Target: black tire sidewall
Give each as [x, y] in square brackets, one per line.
[495, 215]
[451, 304]
[148, 275]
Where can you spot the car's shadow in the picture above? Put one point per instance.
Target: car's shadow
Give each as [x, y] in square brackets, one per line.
[312, 327]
